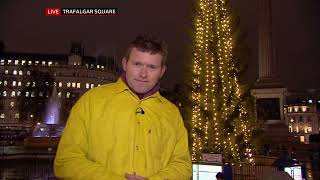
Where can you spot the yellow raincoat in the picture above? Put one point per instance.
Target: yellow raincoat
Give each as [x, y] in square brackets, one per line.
[110, 132]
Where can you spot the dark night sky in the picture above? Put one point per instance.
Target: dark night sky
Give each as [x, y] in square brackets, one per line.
[296, 26]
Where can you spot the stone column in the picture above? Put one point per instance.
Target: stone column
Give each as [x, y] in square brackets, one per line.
[266, 61]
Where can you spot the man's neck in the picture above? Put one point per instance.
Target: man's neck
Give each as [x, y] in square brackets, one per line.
[152, 91]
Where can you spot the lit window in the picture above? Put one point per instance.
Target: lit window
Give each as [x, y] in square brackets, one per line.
[11, 104]
[6, 71]
[92, 85]
[18, 93]
[68, 94]
[13, 94]
[29, 62]
[2, 116]
[20, 73]
[98, 66]
[36, 62]
[5, 83]
[32, 94]
[304, 108]
[16, 62]
[74, 63]
[28, 84]
[4, 94]
[31, 115]
[27, 94]
[2, 62]
[59, 94]
[102, 67]
[290, 128]
[47, 83]
[60, 84]
[78, 85]
[87, 85]
[0, 82]
[68, 84]
[43, 63]
[28, 73]
[14, 72]
[14, 83]
[302, 138]
[23, 62]
[33, 84]
[9, 61]
[310, 101]
[49, 63]
[16, 115]
[305, 130]
[73, 84]
[99, 85]
[19, 83]
[40, 94]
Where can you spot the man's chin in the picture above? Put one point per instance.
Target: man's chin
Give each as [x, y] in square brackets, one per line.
[141, 91]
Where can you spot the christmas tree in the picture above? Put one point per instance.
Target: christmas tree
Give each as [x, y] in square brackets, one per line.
[220, 119]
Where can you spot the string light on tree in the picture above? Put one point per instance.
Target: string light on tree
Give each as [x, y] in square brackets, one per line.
[218, 114]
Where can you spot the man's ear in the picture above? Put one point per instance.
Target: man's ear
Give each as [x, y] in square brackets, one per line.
[124, 63]
[163, 69]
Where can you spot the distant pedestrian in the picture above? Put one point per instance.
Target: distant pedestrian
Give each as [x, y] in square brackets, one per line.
[220, 176]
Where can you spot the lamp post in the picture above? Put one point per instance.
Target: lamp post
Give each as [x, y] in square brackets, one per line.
[3, 143]
[49, 165]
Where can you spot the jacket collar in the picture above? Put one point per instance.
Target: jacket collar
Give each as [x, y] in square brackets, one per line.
[121, 86]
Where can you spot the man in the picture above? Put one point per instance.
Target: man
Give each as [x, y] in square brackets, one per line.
[126, 130]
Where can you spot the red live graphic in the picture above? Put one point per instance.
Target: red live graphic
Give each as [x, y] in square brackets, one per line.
[53, 11]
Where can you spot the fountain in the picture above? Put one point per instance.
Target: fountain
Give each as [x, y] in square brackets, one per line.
[52, 113]
[47, 134]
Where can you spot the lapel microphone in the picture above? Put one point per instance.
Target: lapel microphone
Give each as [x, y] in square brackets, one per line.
[139, 110]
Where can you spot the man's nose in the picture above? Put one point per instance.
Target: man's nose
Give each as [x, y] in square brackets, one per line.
[143, 72]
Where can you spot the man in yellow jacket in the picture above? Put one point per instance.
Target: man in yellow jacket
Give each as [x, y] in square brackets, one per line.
[126, 130]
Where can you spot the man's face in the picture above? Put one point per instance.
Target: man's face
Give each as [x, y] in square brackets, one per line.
[143, 70]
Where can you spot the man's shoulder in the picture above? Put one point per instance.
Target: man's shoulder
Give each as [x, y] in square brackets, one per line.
[168, 104]
[97, 97]
[171, 112]
[101, 92]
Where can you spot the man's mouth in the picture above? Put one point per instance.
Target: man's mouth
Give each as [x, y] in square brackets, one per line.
[141, 80]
